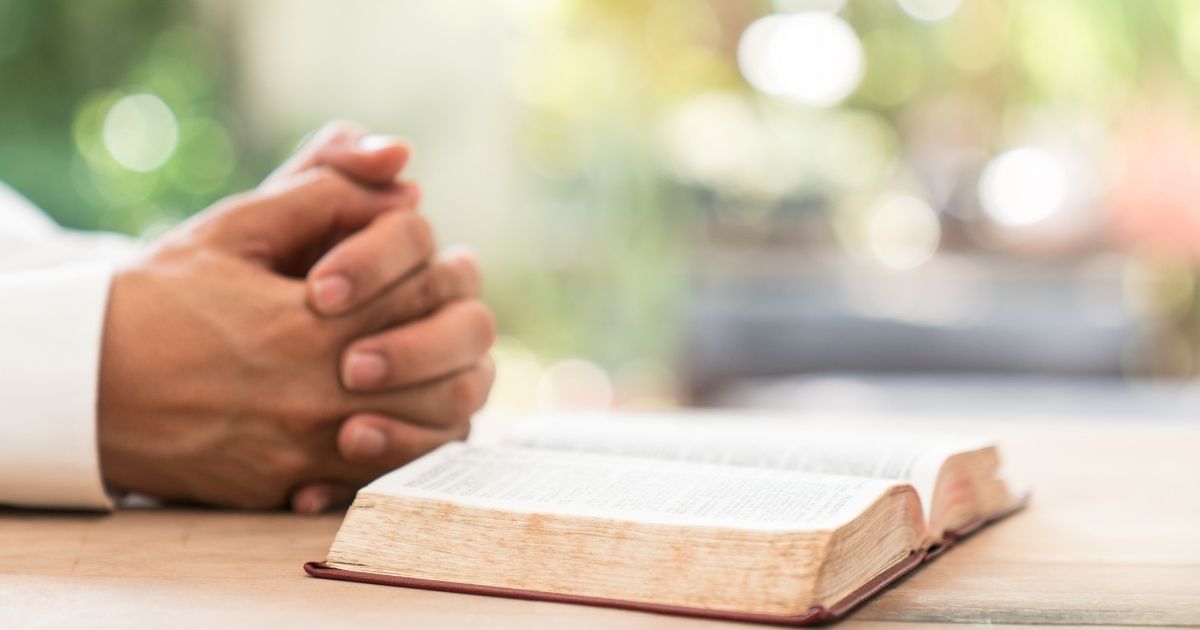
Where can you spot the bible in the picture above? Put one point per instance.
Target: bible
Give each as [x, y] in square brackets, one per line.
[731, 517]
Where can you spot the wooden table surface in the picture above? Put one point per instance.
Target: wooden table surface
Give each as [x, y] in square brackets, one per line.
[1112, 538]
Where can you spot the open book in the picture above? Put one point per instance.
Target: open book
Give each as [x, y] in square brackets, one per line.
[738, 518]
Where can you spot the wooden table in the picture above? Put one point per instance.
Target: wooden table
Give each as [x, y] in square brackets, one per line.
[1112, 538]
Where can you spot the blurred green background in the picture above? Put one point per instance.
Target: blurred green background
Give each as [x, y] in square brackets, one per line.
[631, 171]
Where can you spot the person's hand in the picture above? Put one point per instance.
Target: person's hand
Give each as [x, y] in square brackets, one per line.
[375, 161]
[372, 160]
[220, 384]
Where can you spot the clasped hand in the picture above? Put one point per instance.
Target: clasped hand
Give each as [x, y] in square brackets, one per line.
[289, 344]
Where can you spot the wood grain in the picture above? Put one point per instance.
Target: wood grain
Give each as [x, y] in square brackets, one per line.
[1112, 538]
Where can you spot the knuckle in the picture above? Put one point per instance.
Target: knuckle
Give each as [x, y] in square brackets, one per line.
[288, 324]
[482, 323]
[401, 352]
[418, 230]
[415, 193]
[487, 372]
[286, 465]
[469, 274]
[328, 180]
[323, 400]
[315, 407]
[431, 290]
[230, 209]
[466, 396]
[322, 185]
[312, 188]
[326, 337]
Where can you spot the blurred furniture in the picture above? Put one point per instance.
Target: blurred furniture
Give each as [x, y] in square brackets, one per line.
[968, 396]
[1109, 540]
[772, 311]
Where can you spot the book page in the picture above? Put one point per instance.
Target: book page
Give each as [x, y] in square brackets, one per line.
[630, 488]
[749, 442]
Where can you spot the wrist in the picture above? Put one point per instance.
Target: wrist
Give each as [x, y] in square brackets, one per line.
[111, 439]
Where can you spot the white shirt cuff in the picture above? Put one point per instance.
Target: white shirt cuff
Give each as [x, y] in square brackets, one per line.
[51, 323]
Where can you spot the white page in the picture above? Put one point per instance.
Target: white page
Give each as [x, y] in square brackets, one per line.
[631, 488]
[746, 441]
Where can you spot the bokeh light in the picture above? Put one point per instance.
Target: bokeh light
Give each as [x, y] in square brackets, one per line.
[647, 143]
[895, 66]
[518, 370]
[977, 40]
[645, 383]
[1047, 33]
[1023, 186]
[902, 232]
[211, 156]
[794, 6]
[858, 149]
[1188, 42]
[140, 132]
[812, 58]
[715, 138]
[930, 10]
[1158, 288]
[575, 384]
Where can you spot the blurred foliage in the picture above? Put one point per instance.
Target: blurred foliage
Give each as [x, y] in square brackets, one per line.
[64, 64]
[609, 88]
[636, 131]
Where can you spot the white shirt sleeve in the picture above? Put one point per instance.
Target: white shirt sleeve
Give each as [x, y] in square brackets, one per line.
[53, 297]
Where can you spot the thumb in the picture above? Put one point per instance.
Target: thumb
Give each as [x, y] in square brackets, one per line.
[302, 213]
[374, 159]
[368, 159]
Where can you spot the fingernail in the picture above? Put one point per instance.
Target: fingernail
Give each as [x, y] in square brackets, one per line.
[368, 443]
[364, 369]
[373, 143]
[331, 292]
[313, 502]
